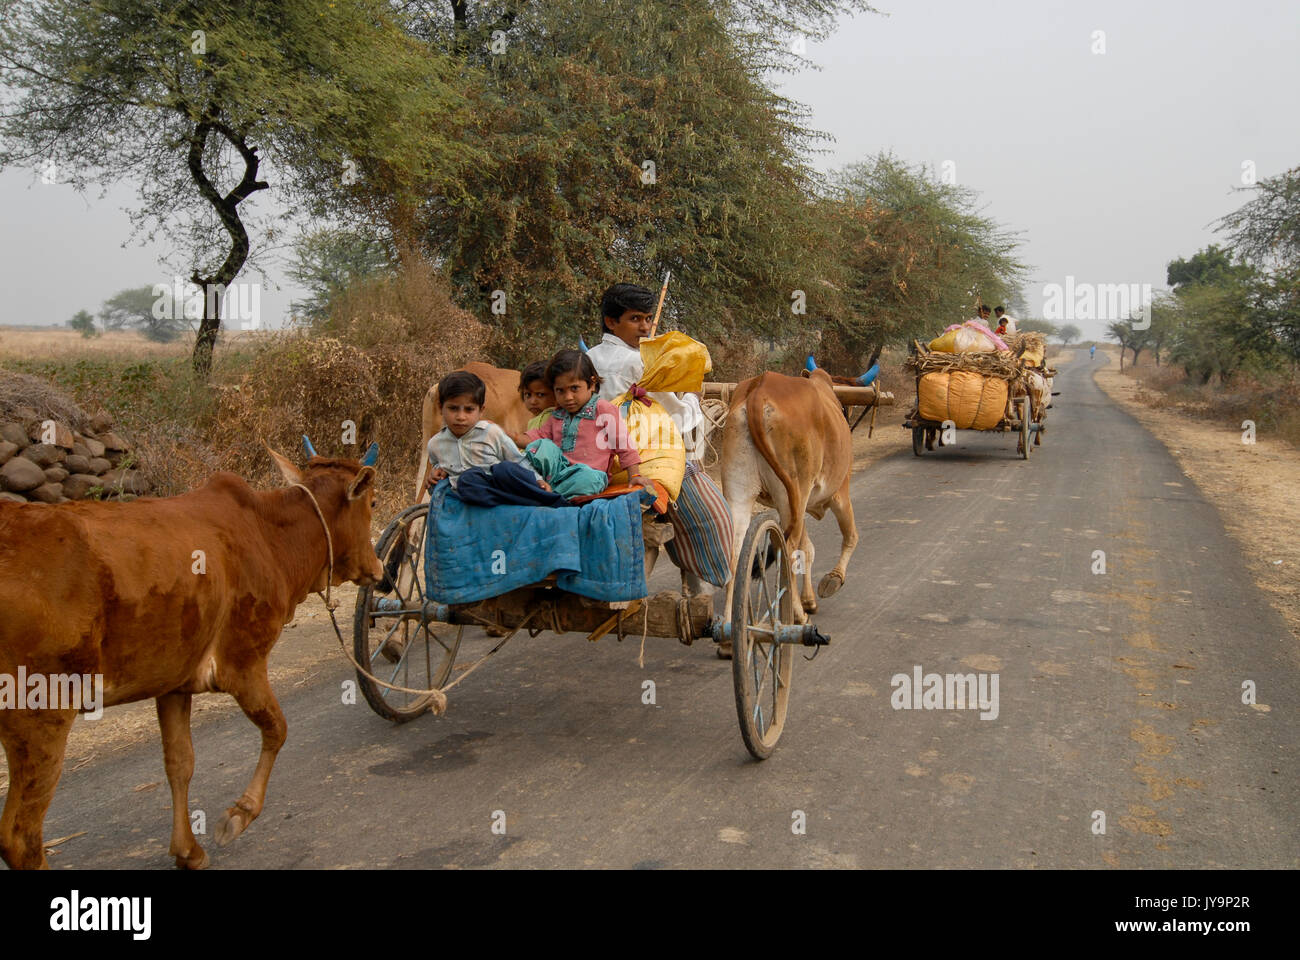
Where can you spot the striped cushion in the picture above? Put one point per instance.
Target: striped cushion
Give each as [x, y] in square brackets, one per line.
[703, 533]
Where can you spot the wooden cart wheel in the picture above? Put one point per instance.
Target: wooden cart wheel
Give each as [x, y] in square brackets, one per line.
[1026, 416]
[391, 638]
[763, 601]
[918, 440]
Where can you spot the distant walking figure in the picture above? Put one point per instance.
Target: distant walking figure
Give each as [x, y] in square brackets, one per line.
[1092, 352]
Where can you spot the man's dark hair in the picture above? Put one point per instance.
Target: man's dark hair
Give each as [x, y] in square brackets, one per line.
[534, 371]
[983, 311]
[622, 297]
[461, 383]
[999, 310]
[572, 361]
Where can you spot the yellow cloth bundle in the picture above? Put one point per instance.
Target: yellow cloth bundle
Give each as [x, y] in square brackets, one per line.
[672, 363]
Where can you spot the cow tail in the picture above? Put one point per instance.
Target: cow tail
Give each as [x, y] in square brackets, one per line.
[754, 414]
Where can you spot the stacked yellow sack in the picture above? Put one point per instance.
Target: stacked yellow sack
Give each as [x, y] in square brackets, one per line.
[672, 363]
[970, 401]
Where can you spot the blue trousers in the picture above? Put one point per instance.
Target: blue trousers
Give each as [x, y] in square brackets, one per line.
[513, 484]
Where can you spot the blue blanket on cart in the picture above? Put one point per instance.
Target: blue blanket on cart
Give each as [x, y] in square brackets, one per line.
[472, 553]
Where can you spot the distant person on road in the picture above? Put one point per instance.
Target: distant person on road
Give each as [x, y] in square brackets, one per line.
[1092, 352]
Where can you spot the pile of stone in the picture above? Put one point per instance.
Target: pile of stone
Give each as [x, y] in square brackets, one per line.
[45, 460]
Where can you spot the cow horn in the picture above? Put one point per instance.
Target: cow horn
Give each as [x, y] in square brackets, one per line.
[582, 344]
[372, 454]
[306, 445]
[869, 377]
[810, 364]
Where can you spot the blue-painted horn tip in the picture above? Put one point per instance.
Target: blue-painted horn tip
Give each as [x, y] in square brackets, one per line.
[306, 445]
[810, 364]
[582, 345]
[869, 377]
[372, 454]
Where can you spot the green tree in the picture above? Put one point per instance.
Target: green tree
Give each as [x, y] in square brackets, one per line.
[141, 308]
[183, 97]
[1068, 333]
[329, 261]
[918, 254]
[1266, 232]
[1045, 327]
[1131, 334]
[84, 323]
[629, 138]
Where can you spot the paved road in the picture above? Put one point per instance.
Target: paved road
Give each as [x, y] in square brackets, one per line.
[1118, 692]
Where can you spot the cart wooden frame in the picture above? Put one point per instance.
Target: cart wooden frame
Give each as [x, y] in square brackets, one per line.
[394, 634]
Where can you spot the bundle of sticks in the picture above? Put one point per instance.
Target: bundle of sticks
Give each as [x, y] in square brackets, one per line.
[1020, 342]
[1001, 363]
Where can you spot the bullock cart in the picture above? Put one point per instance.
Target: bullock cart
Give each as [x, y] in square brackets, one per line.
[411, 640]
[980, 391]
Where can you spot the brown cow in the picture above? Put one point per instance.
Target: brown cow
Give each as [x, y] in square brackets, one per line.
[503, 406]
[165, 598]
[786, 444]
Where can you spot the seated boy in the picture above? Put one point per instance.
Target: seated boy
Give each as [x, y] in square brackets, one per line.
[479, 459]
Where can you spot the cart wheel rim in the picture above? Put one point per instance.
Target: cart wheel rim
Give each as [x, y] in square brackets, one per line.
[392, 637]
[763, 601]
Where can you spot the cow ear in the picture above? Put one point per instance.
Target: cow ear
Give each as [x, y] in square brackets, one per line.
[290, 473]
[362, 484]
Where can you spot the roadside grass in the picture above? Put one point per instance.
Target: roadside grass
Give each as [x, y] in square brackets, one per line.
[1271, 401]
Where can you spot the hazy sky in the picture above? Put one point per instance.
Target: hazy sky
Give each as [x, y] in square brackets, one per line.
[1111, 163]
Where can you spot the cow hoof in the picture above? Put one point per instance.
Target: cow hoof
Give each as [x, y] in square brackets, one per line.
[809, 605]
[195, 861]
[724, 650]
[231, 825]
[830, 585]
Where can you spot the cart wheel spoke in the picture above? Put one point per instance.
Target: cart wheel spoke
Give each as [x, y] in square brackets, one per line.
[762, 603]
[419, 656]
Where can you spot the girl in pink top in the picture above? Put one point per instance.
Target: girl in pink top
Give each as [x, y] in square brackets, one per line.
[584, 429]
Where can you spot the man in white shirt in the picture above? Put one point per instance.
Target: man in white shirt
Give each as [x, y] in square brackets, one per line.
[1003, 316]
[700, 518]
[626, 311]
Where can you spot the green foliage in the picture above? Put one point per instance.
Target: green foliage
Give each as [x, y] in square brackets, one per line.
[917, 254]
[1068, 333]
[329, 261]
[180, 97]
[1045, 327]
[627, 138]
[1266, 232]
[84, 323]
[135, 308]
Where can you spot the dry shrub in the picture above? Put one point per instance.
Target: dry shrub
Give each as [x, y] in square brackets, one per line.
[1270, 398]
[370, 363]
[22, 390]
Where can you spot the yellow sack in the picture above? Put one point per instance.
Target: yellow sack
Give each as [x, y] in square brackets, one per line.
[970, 401]
[1033, 355]
[674, 363]
[652, 431]
[671, 363]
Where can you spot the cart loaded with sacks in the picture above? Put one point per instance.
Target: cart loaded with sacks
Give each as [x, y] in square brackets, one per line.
[990, 390]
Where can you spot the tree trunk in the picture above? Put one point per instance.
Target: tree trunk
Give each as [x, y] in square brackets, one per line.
[1135, 357]
[213, 286]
